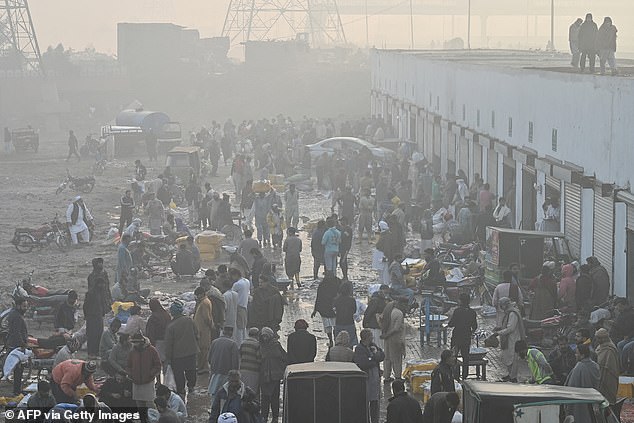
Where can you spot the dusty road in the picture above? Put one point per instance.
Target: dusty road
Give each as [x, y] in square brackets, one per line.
[27, 188]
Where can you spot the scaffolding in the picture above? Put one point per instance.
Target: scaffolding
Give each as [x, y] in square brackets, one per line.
[19, 49]
[261, 20]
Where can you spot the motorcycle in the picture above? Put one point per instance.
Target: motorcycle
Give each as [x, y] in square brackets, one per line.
[26, 239]
[41, 308]
[156, 246]
[457, 255]
[84, 185]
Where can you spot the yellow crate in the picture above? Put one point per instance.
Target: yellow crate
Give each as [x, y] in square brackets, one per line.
[417, 379]
[420, 365]
[626, 390]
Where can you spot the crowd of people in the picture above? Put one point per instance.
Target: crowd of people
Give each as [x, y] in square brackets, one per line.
[587, 41]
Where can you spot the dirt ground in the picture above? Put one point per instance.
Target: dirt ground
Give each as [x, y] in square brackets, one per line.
[27, 189]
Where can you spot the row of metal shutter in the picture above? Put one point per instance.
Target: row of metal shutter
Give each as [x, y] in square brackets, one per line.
[463, 154]
[603, 229]
[572, 217]
[492, 170]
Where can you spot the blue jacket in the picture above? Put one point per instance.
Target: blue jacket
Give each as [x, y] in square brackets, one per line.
[331, 240]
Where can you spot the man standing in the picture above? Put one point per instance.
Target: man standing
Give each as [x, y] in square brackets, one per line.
[203, 319]
[292, 260]
[124, 262]
[78, 219]
[464, 323]
[346, 243]
[562, 360]
[127, 211]
[156, 214]
[587, 42]
[326, 293]
[144, 365]
[573, 39]
[511, 331]
[261, 208]
[608, 361]
[7, 140]
[223, 357]
[139, 170]
[73, 146]
[246, 245]
[250, 360]
[181, 349]
[600, 281]
[271, 373]
[366, 207]
[331, 241]
[375, 308]
[301, 345]
[16, 338]
[291, 201]
[235, 402]
[502, 214]
[404, 408]
[242, 287]
[606, 44]
[368, 357]
[317, 249]
[586, 374]
[93, 314]
[442, 378]
[99, 276]
[393, 334]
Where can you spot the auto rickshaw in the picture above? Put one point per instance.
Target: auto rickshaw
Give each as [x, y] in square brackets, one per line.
[330, 392]
[184, 162]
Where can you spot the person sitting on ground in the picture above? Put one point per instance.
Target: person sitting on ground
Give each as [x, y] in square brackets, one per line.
[166, 415]
[541, 372]
[42, 400]
[174, 402]
[90, 403]
[116, 392]
[562, 359]
[118, 357]
[184, 262]
[135, 323]
[65, 315]
[109, 338]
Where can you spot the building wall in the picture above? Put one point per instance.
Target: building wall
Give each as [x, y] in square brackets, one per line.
[591, 114]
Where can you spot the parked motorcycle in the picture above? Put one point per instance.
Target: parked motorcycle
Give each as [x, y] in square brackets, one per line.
[26, 239]
[84, 185]
[543, 332]
[41, 308]
[156, 246]
[456, 255]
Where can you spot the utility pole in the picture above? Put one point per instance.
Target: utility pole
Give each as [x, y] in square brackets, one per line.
[552, 25]
[411, 23]
[469, 25]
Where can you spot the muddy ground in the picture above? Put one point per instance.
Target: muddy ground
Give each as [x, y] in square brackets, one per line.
[27, 189]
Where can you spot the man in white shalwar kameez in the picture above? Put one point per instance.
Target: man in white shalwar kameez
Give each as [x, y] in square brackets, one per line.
[77, 218]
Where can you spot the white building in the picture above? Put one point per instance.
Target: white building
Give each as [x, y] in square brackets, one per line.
[531, 129]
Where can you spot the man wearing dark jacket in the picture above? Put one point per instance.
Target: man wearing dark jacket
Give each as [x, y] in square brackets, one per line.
[587, 42]
[301, 345]
[93, 313]
[98, 273]
[376, 305]
[441, 407]
[317, 249]
[600, 281]
[267, 306]
[464, 323]
[326, 293]
[16, 338]
[583, 291]
[65, 316]
[404, 408]
[237, 398]
[442, 377]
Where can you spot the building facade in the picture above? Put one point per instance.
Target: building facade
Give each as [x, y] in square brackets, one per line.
[531, 133]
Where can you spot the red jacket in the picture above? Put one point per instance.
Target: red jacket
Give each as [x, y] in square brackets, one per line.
[144, 365]
[67, 375]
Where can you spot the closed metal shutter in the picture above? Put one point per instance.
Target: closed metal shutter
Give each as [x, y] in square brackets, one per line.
[572, 217]
[492, 170]
[553, 183]
[630, 216]
[451, 146]
[603, 229]
[463, 146]
[477, 159]
[437, 130]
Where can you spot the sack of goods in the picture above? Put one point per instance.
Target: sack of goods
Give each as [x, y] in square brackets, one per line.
[261, 186]
[209, 244]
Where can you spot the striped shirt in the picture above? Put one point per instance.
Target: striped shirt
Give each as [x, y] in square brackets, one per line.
[250, 357]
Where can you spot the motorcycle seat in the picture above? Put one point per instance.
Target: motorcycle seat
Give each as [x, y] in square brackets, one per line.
[528, 323]
[157, 238]
[51, 300]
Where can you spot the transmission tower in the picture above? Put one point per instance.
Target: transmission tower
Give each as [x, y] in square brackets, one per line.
[18, 43]
[259, 20]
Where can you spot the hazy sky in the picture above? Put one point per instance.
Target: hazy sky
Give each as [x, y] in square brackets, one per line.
[82, 23]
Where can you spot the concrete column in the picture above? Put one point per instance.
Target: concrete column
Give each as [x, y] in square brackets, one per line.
[485, 166]
[619, 275]
[519, 186]
[540, 194]
[444, 134]
[562, 207]
[471, 166]
[587, 222]
[500, 187]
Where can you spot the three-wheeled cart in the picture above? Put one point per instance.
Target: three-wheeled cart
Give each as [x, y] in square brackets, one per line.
[322, 392]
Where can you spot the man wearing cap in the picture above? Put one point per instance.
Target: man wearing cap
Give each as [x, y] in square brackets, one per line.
[78, 219]
[144, 364]
[301, 345]
[67, 352]
[70, 374]
[181, 348]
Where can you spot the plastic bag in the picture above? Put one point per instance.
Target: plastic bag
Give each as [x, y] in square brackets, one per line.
[168, 379]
